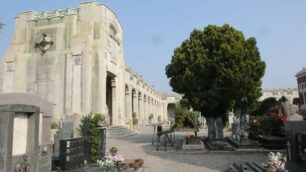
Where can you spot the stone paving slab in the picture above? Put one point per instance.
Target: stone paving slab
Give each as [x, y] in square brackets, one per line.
[172, 160]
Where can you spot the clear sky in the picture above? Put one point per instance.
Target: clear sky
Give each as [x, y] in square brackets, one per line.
[153, 28]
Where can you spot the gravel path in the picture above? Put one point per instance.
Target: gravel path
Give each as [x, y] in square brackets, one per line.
[140, 146]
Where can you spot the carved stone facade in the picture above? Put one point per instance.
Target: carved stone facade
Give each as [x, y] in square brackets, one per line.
[74, 59]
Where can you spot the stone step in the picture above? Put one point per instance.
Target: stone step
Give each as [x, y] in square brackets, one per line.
[119, 131]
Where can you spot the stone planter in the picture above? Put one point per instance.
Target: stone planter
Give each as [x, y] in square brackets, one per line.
[191, 146]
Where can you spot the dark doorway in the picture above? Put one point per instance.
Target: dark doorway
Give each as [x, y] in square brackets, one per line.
[109, 95]
[171, 111]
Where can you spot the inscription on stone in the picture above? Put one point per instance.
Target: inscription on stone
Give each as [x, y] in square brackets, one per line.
[71, 153]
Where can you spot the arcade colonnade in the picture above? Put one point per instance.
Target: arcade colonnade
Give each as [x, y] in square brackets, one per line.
[142, 99]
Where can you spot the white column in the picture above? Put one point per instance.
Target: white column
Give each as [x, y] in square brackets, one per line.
[128, 104]
[140, 106]
[148, 105]
[76, 100]
[115, 120]
[145, 113]
[135, 103]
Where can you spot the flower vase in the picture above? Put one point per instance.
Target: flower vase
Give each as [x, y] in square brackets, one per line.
[118, 167]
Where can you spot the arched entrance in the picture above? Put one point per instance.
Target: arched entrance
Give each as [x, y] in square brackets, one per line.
[171, 111]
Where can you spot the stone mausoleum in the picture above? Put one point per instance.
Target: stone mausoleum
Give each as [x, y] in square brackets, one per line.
[74, 59]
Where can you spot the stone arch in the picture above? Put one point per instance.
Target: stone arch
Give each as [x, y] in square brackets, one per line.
[171, 111]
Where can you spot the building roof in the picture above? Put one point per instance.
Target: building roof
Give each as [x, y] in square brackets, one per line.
[301, 72]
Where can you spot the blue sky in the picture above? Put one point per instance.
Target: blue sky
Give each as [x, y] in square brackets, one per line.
[152, 29]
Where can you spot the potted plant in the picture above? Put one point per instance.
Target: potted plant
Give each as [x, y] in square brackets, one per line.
[150, 118]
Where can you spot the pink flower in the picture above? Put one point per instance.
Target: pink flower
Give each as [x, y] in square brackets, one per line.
[118, 158]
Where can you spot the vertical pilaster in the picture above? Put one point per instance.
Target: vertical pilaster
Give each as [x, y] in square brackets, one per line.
[114, 119]
[135, 103]
[140, 106]
[76, 101]
[145, 113]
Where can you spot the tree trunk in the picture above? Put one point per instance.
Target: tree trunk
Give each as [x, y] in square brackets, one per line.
[211, 128]
[215, 128]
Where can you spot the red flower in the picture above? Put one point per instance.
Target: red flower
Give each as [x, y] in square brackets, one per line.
[280, 117]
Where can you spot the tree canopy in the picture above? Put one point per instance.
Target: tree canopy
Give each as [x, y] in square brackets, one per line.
[217, 69]
[265, 105]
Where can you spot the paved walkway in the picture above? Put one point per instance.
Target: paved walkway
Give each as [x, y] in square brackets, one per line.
[140, 146]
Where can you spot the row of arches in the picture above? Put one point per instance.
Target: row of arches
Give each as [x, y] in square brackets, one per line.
[143, 104]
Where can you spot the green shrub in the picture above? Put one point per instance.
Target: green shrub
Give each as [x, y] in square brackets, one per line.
[135, 121]
[184, 118]
[54, 125]
[134, 115]
[151, 117]
[89, 130]
[134, 118]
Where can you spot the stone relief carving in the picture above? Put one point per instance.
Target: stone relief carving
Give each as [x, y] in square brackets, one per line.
[44, 43]
[77, 59]
[10, 66]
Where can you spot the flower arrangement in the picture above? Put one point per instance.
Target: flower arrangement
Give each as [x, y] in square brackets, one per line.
[276, 162]
[117, 158]
[107, 164]
[280, 117]
[112, 161]
[242, 130]
[113, 150]
[23, 165]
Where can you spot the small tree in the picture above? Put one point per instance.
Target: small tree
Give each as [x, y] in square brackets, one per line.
[184, 118]
[134, 118]
[89, 130]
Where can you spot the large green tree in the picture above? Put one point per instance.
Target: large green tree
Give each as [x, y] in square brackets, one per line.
[217, 69]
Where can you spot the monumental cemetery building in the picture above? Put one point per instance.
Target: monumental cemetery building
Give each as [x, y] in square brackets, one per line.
[301, 80]
[74, 59]
[289, 93]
